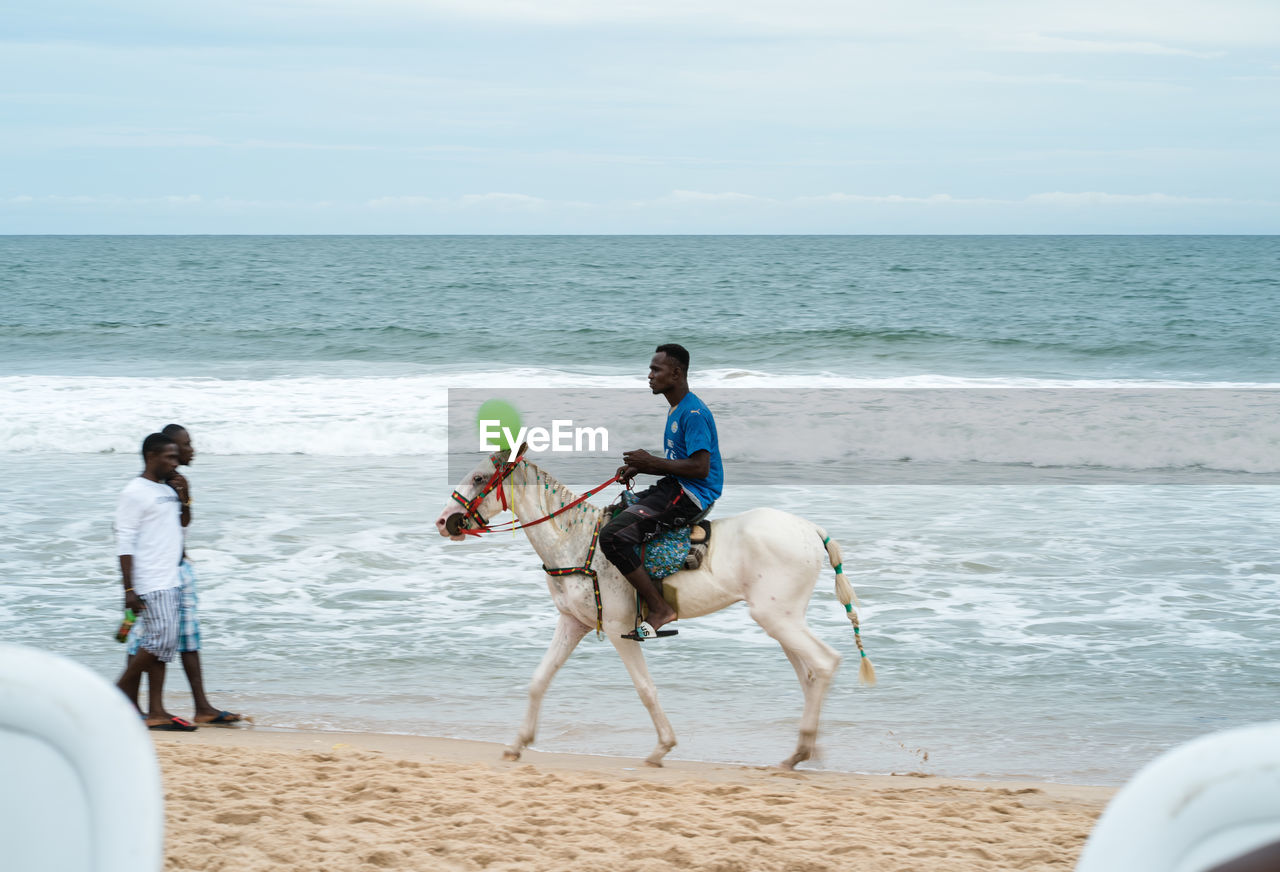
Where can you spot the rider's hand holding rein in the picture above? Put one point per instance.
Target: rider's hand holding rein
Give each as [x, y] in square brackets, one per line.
[626, 474]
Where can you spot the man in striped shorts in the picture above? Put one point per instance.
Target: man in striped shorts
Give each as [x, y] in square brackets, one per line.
[149, 544]
[188, 622]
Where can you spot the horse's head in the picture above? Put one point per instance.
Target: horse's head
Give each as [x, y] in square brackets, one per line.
[480, 495]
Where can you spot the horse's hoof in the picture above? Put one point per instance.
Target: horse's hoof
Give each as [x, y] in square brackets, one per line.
[794, 760]
[510, 756]
[656, 764]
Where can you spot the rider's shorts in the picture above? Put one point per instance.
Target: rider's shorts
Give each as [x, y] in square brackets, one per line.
[661, 507]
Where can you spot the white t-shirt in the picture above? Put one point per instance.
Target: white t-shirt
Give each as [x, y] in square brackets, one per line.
[149, 527]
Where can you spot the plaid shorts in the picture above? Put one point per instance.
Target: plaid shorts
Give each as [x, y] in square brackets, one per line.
[188, 623]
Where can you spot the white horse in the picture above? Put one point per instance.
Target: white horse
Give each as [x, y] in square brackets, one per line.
[770, 559]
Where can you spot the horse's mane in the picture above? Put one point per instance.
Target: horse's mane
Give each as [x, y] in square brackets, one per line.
[556, 495]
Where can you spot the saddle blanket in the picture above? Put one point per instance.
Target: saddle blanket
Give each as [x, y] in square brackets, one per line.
[664, 554]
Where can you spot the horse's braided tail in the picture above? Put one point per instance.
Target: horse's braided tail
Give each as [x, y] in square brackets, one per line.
[844, 590]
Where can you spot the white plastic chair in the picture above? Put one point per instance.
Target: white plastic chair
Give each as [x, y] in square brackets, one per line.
[1194, 807]
[80, 788]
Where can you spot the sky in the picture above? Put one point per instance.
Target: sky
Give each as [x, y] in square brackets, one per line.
[663, 116]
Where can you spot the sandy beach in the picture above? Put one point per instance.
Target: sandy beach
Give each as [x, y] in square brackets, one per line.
[266, 800]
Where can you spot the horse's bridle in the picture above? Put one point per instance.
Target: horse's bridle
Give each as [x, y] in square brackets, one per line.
[501, 469]
[471, 507]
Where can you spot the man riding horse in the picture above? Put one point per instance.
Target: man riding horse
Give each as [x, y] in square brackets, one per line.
[693, 478]
[764, 557]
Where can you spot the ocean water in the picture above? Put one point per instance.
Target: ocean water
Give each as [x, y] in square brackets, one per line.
[1076, 593]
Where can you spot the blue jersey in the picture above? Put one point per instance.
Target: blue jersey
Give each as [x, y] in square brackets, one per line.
[690, 429]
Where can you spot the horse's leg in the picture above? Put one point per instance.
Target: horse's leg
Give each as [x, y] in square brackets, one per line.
[569, 632]
[804, 750]
[815, 663]
[633, 658]
[802, 671]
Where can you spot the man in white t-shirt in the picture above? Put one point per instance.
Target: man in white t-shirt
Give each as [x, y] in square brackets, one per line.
[188, 620]
[149, 544]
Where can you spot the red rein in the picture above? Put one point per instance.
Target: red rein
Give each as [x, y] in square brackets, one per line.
[500, 473]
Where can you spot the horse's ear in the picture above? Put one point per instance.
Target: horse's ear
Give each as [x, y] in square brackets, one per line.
[524, 446]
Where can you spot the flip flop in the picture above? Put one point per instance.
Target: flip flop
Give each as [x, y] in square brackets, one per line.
[224, 719]
[175, 725]
[646, 631]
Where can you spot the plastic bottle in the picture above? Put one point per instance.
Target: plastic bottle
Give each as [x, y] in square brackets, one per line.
[126, 625]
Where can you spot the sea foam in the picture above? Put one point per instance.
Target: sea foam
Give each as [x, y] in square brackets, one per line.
[762, 418]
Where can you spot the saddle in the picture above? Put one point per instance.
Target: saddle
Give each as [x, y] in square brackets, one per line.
[675, 549]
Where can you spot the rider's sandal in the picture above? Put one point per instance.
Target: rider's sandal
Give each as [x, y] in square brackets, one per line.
[645, 631]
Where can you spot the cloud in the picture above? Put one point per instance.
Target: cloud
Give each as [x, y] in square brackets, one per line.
[705, 197]
[1135, 26]
[893, 199]
[1036, 42]
[494, 201]
[191, 202]
[1099, 198]
[679, 211]
[513, 202]
[143, 139]
[408, 202]
[106, 200]
[1052, 198]
[505, 202]
[131, 139]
